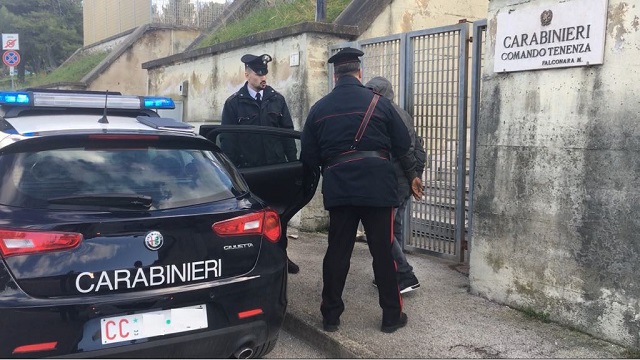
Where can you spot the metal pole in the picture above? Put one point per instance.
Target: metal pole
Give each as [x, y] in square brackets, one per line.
[321, 10]
[462, 143]
[479, 28]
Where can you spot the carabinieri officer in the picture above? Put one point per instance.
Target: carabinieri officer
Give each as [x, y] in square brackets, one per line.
[257, 103]
[351, 134]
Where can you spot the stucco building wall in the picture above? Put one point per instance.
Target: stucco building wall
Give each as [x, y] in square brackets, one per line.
[409, 15]
[556, 221]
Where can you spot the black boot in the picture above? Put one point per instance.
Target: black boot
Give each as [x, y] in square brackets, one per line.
[389, 328]
[292, 268]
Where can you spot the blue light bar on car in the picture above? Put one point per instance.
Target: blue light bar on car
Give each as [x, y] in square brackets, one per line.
[85, 100]
[80, 100]
[15, 98]
[157, 103]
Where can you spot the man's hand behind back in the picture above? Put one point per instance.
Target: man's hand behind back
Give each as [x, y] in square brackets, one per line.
[416, 188]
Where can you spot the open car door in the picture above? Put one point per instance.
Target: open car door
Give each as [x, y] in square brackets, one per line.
[260, 154]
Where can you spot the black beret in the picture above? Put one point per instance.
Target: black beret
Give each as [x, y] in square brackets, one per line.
[345, 55]
[257, 63]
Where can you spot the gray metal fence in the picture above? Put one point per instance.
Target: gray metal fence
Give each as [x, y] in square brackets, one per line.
[197, 13]
[438, 102]
[430, 74]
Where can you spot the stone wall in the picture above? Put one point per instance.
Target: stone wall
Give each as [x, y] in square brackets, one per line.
[556, 219]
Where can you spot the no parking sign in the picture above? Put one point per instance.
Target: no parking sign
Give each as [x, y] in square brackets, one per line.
[11, 58]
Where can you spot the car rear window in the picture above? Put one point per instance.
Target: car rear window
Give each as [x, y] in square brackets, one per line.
[169, 177]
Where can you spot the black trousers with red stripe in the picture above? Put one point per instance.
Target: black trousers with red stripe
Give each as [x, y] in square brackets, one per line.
[378, 225]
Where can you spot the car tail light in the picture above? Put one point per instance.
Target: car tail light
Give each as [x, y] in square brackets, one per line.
[249, 313]
[265, 223]
[35, 347]
[14, 242]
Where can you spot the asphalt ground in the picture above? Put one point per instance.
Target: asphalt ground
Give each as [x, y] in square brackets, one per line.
[291, 347]
[445, 319]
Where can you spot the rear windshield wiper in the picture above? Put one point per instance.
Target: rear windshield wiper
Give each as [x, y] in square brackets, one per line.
[128, 201]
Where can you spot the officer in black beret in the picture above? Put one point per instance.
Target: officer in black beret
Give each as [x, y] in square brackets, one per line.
[257, 63]
[350, 136]
[345, 56]
[257, 103]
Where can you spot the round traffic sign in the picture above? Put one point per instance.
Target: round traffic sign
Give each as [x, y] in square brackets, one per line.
[11, 58]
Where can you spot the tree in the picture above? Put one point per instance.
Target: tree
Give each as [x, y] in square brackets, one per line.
[50, 31]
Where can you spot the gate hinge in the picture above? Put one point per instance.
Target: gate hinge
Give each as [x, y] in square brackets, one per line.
[470, 39]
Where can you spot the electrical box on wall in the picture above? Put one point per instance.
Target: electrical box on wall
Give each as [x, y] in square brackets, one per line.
[294, 59]
[183, 89]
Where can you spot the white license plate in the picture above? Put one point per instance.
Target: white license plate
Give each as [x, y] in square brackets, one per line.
[155, 323]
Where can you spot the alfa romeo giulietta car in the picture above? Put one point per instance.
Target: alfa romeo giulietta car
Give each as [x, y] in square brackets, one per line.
[127, 234]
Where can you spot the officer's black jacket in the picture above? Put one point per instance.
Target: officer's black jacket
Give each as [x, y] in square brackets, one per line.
[250, 150]
[330, 129]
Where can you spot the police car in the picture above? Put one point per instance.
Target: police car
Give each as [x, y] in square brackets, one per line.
[124, 233]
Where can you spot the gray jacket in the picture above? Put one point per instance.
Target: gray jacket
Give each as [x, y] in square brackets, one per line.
[383, 87]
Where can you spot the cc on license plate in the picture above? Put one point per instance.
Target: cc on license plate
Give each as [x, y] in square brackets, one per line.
[155, 323]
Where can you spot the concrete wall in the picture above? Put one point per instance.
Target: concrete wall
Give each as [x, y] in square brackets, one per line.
[410, 15]
[556, 221]
[125, 74]
[107, 44]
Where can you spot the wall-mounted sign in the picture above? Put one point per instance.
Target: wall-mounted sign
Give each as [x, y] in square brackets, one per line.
[566, 34]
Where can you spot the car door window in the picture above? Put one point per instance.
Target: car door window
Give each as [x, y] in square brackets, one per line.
[282, 183]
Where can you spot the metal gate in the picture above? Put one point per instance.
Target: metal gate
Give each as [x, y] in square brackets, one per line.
[429, 71]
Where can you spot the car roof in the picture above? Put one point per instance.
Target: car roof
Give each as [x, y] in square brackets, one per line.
[46, 112]
[73, 122]
[85, 123]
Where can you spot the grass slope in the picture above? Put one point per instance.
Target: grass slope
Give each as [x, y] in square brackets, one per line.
[72, 71]
[274, 17]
